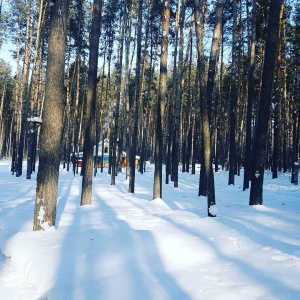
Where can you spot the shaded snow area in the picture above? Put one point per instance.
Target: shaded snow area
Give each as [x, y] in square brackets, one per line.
[130, 247]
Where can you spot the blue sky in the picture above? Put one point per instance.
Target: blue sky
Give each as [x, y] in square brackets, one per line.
[5, 54]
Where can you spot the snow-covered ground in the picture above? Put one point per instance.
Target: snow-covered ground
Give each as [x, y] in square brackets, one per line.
[130, 247]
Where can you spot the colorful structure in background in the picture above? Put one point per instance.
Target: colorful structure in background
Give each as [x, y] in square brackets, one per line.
[103, 147]
[79, 159]
[98, 156]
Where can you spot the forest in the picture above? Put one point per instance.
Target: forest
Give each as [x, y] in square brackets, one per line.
[176, 83]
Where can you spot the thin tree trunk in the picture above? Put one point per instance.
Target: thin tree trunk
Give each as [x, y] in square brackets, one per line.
[190, 103]
[90, 106]
[1, 119]
[248, 148]
[233, 98]
[199, 24]
[157, 186]
[34, 92]
[175, 100]
[177, 107]
[204, 111]
[25, 91]
[133, 146]
[215, 48]
[118, 98]
[295, 145]
[17, 108]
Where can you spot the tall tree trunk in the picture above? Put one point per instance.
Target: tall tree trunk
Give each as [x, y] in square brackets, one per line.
[176, 97]
[3, 96]
[17, 107]
[133, 146]
[295, 145]
[199, 24]
[34, 92]
[90, 106]
[259, 145]
[142, 98]
[219, 148]
[190, 102]
[180, 81]
[278, 95]
[214, 53]
[204, 109]
[248, 148]
[279, 98]
[233, 98]
[172, 151]
[165, 18]
[118, 97]
[48, 173]
[25, 90]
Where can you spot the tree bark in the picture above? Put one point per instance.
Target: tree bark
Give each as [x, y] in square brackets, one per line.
[90, 106]
[157, 185]
[135, 112]
[204, 111]
[200, 87]
[215, 47]
[118, 98]
[48, 173]
[248, 146]
[24, 91]
[233, 99]
[259, 146]
[35, 91]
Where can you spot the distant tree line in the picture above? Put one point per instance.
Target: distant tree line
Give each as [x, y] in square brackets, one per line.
[178, 83]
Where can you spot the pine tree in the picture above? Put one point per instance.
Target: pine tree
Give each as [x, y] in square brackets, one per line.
[49, 159]
[259, 146]
[90, 107]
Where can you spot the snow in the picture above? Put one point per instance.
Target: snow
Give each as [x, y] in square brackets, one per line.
[128, 246]
[36, 120]
[213, 210]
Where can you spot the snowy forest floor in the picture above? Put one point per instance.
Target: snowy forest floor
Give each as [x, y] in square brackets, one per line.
[129, 247]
